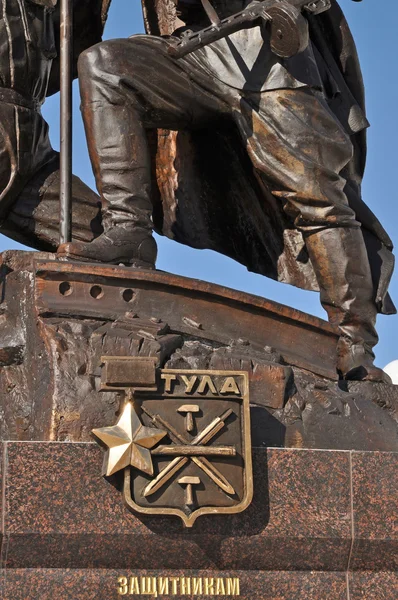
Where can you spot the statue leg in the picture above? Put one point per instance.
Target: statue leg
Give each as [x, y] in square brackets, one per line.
[342, 269]
[127, 87]
[33, 218]
[29, 184]
[302, 149]
[120, 159]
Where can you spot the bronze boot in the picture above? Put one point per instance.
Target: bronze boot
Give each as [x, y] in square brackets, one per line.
[342, 268]
[120, 245]
[120, 159]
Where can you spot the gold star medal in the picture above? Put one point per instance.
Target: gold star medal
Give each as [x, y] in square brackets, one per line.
[128, 443]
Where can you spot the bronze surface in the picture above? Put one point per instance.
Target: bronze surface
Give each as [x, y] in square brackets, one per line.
[221, 314]
[128, 443]
[287, 201]
[206, 470]
[128, 373]
[59, 320]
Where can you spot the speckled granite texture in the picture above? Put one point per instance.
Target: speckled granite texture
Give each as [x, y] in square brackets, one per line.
[62, 584]
[323, 525]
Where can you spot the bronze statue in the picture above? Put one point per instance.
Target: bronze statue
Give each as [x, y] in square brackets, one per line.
[302, 122]
[29, 167]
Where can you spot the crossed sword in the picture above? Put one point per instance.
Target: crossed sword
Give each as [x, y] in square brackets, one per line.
[203, 438]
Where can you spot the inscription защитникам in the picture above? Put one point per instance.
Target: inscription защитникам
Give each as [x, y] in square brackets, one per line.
[178, 586]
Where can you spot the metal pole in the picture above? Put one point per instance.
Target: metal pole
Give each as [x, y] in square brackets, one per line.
[66, 47]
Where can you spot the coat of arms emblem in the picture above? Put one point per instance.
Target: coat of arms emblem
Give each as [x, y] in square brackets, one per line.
[182, 439]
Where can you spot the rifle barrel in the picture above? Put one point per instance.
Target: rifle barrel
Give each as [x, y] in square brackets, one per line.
[66, 52]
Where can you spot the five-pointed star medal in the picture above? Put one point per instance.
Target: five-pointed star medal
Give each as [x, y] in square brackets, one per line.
[128, 443]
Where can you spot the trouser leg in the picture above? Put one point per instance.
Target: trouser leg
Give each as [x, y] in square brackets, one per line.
[33, 219]
[347, 294]
[301, 149]
[29, 184]
[120, 158]
[128, 87]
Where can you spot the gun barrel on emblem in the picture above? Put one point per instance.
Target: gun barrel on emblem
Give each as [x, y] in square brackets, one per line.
[205, 465]
[195, 451]
[288, 28]
[204, 437]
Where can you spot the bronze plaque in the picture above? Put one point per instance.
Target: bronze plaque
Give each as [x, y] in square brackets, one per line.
[127, 372]
[186, 448]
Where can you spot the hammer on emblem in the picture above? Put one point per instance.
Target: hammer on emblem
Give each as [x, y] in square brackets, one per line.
[189, 410]
[189, 482]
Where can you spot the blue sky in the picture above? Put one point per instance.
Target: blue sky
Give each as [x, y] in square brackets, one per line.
[374, 26]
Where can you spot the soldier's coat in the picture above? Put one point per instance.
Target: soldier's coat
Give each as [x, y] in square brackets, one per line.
[210, 195]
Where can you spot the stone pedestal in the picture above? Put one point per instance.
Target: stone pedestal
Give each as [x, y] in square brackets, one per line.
[58, 319]
[323, 525]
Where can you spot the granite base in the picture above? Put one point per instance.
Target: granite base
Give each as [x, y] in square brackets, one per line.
[323, 525]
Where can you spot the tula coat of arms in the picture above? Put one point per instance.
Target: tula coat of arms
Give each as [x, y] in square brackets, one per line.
[182, 439]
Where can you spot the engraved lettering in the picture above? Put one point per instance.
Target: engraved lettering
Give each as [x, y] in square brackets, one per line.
[174, 585]
[197, 586]
[209, 586]
[185, 586]
[148, 586]
[163, 585]
[178, 586]
[220, 587]
[123, 586]
[204, 420]
[207, 382]
[233, 588]
[230, 386]
[189, 383]
[168, 378]
[134, 586]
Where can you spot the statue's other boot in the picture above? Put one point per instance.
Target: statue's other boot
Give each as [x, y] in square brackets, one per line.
[342, 268]
[121, 163]
[120, 245]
